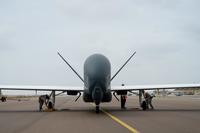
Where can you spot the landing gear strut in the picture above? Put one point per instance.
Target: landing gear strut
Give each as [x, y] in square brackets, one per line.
[51, 103]
[142, 104]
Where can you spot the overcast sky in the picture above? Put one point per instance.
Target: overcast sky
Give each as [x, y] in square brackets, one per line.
[165, 34]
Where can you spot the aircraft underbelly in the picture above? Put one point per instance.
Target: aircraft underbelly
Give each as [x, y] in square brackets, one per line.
[107, 97]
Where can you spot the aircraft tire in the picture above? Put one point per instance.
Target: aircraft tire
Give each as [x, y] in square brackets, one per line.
[50, 105]
[144, 105]
[3, 99]
[97, 109]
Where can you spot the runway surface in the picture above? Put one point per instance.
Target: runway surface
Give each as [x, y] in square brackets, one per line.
[171, 114]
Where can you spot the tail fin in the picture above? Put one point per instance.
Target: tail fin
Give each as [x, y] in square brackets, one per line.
[123, 66]
[70, 67]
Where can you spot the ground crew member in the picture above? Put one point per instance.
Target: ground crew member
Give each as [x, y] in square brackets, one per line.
[148, 99]
[123, 101]
[43, 99]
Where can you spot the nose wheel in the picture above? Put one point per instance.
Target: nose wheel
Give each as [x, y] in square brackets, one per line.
[97, 109]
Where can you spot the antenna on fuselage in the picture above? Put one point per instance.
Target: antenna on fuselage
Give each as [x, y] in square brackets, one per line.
[70, 67]
[123, 66]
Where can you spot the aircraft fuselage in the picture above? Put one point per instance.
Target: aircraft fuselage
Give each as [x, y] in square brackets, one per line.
[97, 75]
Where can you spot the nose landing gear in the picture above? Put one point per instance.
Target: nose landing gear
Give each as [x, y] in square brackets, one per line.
[97, 109]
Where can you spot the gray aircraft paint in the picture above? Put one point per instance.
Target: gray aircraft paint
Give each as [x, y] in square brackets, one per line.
[97, 78]
[97, 75]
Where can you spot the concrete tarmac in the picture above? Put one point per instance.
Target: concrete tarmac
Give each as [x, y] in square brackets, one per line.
[171, 114]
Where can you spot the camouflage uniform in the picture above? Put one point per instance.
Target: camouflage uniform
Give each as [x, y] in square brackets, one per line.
[148, 99]
[123, 101]
[43, 99]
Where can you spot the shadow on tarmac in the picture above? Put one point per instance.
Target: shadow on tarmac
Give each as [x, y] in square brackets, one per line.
[106, 109]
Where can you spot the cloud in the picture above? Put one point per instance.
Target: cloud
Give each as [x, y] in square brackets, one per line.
[164, 33]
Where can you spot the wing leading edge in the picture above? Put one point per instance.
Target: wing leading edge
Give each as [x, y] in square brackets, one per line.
[154, 87]
[114, 88]
[41, 88]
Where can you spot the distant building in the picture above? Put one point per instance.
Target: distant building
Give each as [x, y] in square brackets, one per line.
[190, 91]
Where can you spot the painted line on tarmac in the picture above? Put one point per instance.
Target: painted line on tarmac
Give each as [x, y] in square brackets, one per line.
[131, 129]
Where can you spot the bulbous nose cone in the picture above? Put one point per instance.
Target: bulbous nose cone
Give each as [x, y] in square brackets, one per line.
[97, 66]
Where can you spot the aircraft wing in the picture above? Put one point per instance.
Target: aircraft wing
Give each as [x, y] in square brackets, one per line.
[41, 88]
[154, 87]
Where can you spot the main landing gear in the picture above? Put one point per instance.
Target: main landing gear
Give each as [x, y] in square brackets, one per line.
[51, 101]
[3, 99]
[50, 105]
[144, 105]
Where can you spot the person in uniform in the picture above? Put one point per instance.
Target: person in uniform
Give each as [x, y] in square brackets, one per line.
[123, 101]
[148, 99]
[43, 99]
